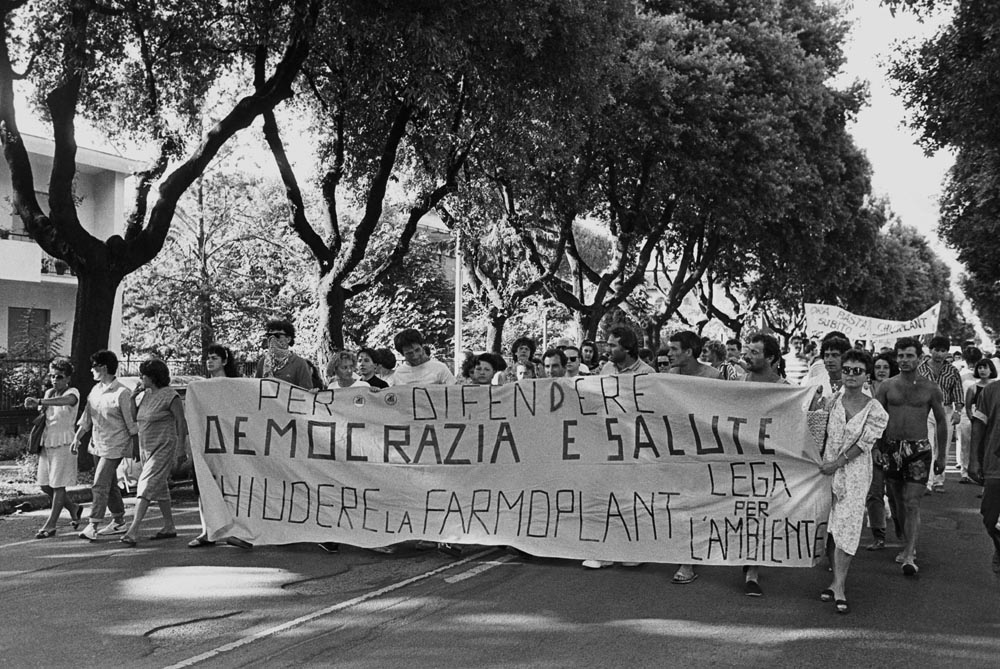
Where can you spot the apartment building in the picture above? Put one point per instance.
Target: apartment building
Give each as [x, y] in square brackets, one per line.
[36, 290]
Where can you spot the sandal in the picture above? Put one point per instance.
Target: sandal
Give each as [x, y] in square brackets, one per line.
[74, 521]
[128, 541]
[826, 595]
[842, 606]
[199, 541]
[163, 535]
[45, 534]
[684, 579]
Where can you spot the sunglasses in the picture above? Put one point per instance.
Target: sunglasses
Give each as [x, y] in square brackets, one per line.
[571, 358]
[853, 371]
[662, 362]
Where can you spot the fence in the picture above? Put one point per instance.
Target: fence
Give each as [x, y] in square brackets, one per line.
[190, 367]
[20, 379]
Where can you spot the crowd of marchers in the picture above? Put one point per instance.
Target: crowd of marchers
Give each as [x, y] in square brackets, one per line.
[885, 420]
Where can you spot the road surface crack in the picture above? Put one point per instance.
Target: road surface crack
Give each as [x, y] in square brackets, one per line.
[191, 621]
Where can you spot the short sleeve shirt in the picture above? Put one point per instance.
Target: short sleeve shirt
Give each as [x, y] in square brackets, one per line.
[433, 372]
[948, 380]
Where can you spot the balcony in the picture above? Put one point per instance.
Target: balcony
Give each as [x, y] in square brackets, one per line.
[21, 259]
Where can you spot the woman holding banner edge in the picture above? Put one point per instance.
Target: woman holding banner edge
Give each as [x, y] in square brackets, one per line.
[856, 421]
[220, 363]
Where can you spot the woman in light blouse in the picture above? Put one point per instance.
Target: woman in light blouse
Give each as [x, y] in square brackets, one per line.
[57, 461]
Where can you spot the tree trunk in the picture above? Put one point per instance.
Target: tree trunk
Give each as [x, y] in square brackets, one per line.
[494, 334]
[331, 322]
[206, 326]
[95, 304]
[590, 321]
[651, 335]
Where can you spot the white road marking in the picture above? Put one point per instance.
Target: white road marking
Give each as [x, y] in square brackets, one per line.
[479, 569]
[247, 640]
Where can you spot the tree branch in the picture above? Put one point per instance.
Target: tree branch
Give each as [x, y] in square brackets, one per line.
[300, 223]
[61, 102]
[145, 180]
[277, 88]
[426, 203]
[376, 195]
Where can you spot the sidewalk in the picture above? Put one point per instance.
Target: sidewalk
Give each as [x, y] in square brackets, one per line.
[78, 494]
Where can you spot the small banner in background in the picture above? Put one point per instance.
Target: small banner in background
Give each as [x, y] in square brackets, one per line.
[823, 318]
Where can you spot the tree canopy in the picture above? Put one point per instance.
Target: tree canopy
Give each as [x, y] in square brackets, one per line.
[950, 87]
[411, 94]
[141, 69]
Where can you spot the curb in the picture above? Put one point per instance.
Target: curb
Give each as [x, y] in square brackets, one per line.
[76, 494]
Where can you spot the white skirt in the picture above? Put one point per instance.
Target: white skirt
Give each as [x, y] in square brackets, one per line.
[57, 466]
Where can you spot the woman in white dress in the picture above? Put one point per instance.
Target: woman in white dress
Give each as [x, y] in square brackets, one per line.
[56, 461]
[856, 422]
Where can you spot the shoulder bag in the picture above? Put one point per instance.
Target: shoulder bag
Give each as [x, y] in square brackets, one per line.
[37, 431]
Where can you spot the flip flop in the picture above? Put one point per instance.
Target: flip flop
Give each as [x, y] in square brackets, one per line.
[45, 534]
[163, 535]
[680, 579]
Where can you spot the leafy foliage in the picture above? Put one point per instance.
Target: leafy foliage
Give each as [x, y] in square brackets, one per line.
[416, 94]
[950, 87]
[722, 157]
[416, 294]
[228, 265]
[138, 69]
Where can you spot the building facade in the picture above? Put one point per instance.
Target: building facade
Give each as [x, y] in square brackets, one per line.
[38, 292]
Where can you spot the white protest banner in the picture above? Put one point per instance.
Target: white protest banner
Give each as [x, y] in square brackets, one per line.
[823, 318]
[651, 468]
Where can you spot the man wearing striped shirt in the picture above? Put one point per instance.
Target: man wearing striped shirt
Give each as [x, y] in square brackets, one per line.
[938, 368]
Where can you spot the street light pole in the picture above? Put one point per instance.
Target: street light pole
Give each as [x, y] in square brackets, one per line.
[458, 303]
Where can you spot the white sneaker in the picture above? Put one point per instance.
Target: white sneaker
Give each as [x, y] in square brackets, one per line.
[596, 564]
[89, 532]
[114, 527]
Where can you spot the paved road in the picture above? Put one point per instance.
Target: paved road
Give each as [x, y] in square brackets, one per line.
[70, 603]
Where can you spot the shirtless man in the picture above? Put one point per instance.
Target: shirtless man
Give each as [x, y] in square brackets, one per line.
[904, 448]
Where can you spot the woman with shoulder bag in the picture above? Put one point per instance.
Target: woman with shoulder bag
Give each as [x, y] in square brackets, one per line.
[56, 460]
[856, 421]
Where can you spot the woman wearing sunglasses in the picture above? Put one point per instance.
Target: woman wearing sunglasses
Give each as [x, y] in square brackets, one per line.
[856, 421]
[56, 460]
